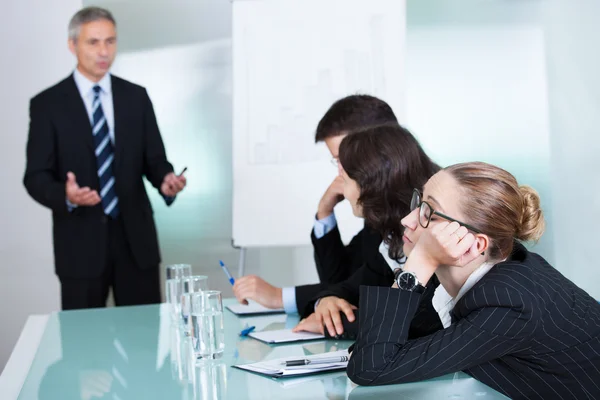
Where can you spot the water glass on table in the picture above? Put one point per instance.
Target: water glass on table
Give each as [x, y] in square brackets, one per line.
[191, 284]
[210, 380]
[174, 286]
[206, 324]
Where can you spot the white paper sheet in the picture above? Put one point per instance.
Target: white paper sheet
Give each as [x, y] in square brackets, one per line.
[284, 336]
[253, 308]
[277, 367]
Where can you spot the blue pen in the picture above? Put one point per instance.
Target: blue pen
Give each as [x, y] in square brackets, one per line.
[231, 280]
[246, 331]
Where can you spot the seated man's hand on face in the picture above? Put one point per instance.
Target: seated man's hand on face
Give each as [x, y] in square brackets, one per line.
[310, 324]
[252, 287]
[328, 313]
[332, 196]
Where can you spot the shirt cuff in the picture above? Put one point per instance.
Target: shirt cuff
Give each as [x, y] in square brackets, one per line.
[70, 206]
[324, 226]
[169, 199]
[288, 295]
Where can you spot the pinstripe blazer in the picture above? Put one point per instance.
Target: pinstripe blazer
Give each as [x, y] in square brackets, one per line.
[523, 329]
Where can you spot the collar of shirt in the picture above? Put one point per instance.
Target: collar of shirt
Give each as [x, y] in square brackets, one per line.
[444, 303]
[85, 86]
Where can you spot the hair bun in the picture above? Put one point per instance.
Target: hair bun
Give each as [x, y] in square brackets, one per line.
[532, 220]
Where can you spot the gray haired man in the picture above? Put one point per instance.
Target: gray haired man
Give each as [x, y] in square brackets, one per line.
[92, 139]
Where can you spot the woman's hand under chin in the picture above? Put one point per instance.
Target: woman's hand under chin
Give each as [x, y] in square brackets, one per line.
[445, 244]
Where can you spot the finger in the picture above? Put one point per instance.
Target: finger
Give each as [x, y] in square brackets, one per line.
[168, 191]
[318, 318]
[243, 279]
[337, 322]
[82, 191]
[450, 228]
[464, 246]
[460, 233]
[298, 327]
[170, 178]
[329, 324]
[474, 250]
[97, 198]
[89, 198]
[347, 309]
[79, 194]
[71, 177]
[240, 294]
[245, 292]
[439, 227]
[178, 186]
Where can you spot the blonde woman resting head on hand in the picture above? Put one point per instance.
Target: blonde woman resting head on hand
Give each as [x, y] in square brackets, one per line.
[510, 319]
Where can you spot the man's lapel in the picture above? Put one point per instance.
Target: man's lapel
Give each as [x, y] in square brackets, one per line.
[77, 114]
[119, 107]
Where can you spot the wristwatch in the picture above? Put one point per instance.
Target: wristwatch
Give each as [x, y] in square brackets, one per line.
[408, 281]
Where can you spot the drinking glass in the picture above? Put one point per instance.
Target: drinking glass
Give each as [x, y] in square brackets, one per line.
[191, 284]
[206, 328]
[210, 381]
[174, 276]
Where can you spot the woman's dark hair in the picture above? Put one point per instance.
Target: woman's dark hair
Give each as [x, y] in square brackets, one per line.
[387, 162]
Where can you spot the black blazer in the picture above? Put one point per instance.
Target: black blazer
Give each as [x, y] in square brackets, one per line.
[523, 329]
[336, 263]
[60, 140]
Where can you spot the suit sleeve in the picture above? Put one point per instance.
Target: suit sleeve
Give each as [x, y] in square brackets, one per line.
[425, 321]
[41, 172]
[335, 262]
[156, 166]
[304, 298]
[384, 354]
[372, 273]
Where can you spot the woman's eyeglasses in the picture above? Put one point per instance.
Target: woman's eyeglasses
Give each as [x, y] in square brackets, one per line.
[426, 211]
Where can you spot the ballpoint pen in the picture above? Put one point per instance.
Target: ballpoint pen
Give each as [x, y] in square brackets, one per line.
[247, 330]
[231, 280]
[327, 360]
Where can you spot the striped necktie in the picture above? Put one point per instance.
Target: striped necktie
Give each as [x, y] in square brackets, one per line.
[104, 157]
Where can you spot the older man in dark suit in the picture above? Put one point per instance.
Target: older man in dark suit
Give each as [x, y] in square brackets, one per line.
[92, 139]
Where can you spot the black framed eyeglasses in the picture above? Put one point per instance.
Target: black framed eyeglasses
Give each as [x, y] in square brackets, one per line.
[426, 211]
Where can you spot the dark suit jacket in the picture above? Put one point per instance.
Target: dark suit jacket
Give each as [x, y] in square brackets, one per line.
[336, 262]
[523, 329]
[60, 140]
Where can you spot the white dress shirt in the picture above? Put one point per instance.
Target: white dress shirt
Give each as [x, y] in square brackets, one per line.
[86, 90]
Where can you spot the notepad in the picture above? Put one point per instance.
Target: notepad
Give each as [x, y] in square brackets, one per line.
[277, 369]
[253, 309]
[284, 336]
[302, 379]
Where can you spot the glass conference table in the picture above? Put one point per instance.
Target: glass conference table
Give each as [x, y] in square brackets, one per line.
[133, 353]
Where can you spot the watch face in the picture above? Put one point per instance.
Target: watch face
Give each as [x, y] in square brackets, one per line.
[407, 281]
